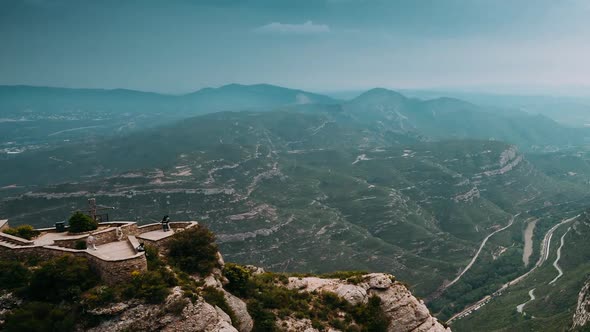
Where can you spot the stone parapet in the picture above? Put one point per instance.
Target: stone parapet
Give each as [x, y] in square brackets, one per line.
[4, 224]
[112, 271]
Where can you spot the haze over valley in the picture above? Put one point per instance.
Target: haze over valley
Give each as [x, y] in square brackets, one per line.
[466, 178]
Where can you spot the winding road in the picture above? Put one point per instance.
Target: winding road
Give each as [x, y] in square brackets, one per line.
[520, 307]
[555, 264]
[545, 246]
[483, 243]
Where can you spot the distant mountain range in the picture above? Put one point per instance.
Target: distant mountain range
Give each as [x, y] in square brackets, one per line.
[33, 118]
[14, 99]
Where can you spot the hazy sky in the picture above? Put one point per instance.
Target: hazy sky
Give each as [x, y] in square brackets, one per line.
[321, 45]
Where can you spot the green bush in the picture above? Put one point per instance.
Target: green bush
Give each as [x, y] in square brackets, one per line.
[79, 222]
[80, 245]
[153, 258]
[193, 250]
[23, 231]
[238, 277]
[177, 306]
[149, 286]
[13, 274]
[98, 296]
[371, 316]
[63, 278]
[40, 317]
[264, 320]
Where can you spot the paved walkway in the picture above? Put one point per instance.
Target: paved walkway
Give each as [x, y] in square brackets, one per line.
[113, 250]
[48, 238]
[155, 235]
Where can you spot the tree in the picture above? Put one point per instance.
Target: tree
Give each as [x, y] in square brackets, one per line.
[79, 222]
[194, 250]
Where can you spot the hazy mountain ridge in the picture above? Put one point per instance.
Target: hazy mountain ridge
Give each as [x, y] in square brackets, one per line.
[40, 117]
[378, 183]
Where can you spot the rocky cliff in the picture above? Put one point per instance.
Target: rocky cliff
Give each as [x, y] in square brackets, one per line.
[582, 315]
[402, 310]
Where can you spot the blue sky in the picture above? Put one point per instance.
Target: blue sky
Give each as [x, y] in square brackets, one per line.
[321, 45]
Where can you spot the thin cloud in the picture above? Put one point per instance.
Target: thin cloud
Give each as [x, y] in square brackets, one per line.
[285, 28]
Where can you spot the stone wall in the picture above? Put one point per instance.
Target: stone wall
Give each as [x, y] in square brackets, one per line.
[101, 237]
[158, 226]
[149, 228]
[4, 224]
[111, 271]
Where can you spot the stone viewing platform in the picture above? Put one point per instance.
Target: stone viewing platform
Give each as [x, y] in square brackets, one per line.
[112, 249]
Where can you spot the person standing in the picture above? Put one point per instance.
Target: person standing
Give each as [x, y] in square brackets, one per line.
[165, 223]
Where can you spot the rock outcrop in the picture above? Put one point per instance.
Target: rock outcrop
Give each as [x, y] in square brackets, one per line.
[177, 314]
[582, 315]
[404, 311]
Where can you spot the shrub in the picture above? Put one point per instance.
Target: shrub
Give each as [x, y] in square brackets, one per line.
[23, 231]
[238, 277]
[193, 250]
[153, 258]
[264, 320]
[371, 316]
[63, 278]
[80, 245]
[13, 274]
[149, 286]
[99, 296]
[79, 222]
[177, 306]
[40, 317]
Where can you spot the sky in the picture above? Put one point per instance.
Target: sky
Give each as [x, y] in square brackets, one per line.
[534, 46]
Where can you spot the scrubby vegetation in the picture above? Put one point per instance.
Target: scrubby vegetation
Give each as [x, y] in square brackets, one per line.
[13, 275]
[41, 317]
[79, 222]
[268, 300]
[61, 279]
[58, 291]
[193, 250]
[23, 231]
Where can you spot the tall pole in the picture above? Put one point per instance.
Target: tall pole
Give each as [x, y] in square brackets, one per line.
[92, 208]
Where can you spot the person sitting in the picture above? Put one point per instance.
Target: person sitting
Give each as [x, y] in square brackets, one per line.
[140, 248]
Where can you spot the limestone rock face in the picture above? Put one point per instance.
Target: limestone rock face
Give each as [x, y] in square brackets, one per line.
[299, 325]
[244, 320]
[198, 316]
[582, 314]
[8, 302]
[406, 313]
